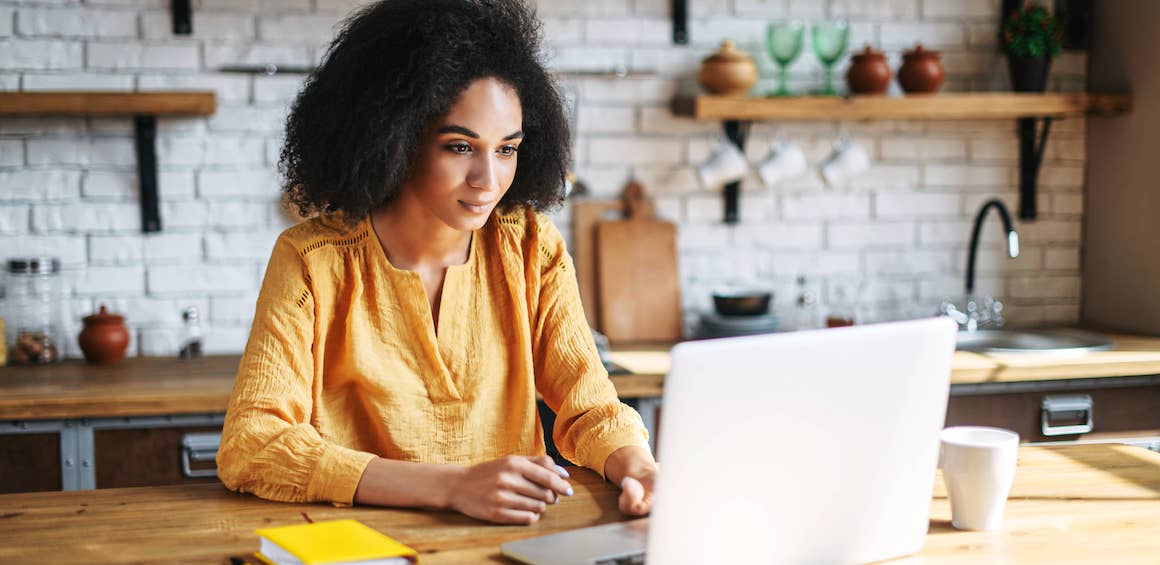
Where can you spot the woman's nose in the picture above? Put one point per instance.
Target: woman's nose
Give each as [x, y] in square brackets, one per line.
[483, 174]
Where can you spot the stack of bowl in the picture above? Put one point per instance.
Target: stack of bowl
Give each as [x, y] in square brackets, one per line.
[739, 311]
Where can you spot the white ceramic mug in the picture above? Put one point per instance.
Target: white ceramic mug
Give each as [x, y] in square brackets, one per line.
[785, 161]
[727, 164]
[978, 465]
[849, 159]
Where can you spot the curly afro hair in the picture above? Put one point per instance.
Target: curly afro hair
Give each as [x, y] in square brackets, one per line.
[354, 131]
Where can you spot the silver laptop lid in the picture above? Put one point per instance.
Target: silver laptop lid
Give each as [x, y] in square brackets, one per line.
[807, 447]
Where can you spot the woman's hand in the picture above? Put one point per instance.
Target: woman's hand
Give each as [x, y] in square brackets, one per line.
[634, 469]
[636, 494]
[509, 490]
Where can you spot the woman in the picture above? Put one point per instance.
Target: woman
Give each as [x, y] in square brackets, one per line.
[401, 335]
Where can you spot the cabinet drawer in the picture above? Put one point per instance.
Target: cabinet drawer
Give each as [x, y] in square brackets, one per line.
[30, 462]
[136, 457]
[1125, 409]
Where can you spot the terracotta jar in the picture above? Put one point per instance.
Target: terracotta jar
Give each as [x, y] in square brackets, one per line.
[869, 73]
[104, 337]
[728, 71]
[921, 71]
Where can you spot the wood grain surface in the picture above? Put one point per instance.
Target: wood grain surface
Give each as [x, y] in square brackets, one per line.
[640, 287]
[948, 106]
[1069, 504]
[150, 386]
[1133, 355]
[586, 214]
[107, 103]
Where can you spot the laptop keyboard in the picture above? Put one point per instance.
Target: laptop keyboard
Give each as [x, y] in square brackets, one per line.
[636, 559]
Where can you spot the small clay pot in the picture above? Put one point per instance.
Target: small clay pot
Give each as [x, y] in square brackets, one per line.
[728, 72]
[921, 71]
[869, 73]
[104, 338]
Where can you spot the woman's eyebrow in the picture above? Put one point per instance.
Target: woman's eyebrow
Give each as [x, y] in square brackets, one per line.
[464, 131]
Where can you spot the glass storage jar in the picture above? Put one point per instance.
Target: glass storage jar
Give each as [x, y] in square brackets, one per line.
[33, 305]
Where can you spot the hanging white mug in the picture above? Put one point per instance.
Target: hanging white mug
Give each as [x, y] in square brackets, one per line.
[727, 164]
[848, 160]
[785, 161]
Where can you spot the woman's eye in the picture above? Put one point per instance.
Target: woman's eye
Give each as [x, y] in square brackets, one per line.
[508, 150]
[460, 148]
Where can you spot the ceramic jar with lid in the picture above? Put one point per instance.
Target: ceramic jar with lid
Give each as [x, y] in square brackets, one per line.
[104, 337]
[921, 71]
[869, 73]
[729, 71]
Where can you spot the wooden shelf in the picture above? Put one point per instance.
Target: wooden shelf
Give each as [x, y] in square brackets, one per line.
[143, 107]
[191, 103]
[957, 106]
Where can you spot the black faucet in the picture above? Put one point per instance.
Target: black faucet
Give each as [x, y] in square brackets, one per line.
[1012, 239]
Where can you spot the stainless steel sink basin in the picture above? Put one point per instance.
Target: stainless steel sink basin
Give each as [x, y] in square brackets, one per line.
[1052, 342]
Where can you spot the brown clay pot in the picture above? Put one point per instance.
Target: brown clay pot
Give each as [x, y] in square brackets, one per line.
[921, 71]
[728, 71]
[104, 338]
[869, 73]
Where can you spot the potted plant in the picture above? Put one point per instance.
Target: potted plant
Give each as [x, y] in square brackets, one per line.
[1031, 37]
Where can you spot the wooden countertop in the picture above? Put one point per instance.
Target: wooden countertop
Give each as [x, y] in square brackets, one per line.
[155, 386]
[1087, 503]
[152, 386]
[1133, 355]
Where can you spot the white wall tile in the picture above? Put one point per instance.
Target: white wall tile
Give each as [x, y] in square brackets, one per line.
[169, 279]
[73, 23]
[14, 219]
[173, 247]
[78, 81]
[122, 55]
[68, 186]
[112, 280]
[11, 152]
[38, 185]
[40, 54]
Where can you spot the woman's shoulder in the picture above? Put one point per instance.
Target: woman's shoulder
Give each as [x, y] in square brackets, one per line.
[322, 232]
[530, 237]
[524, 222]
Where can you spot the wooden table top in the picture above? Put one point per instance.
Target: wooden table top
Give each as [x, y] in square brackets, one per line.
[152, 386]
[1069, 504]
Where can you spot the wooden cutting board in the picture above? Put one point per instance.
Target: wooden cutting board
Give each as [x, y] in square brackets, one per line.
[639, 286]
[586, 214]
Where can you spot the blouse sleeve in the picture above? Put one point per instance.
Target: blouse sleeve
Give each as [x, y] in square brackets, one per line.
[591, 422]
[269, 446]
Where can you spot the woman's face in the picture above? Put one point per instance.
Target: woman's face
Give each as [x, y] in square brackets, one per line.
[468, 158]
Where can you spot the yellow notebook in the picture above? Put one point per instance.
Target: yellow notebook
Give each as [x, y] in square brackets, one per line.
[329, 543]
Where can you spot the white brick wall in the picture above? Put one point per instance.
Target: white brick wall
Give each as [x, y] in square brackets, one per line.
[68, 185]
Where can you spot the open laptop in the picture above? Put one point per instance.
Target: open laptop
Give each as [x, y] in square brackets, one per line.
[805, 447]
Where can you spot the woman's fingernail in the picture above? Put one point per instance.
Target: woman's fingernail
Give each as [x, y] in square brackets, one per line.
[563, 472]
[568, 492]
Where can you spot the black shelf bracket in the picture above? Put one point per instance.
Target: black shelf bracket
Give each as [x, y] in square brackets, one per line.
[145, 128]
[737, 131]
[182, 17]
[1030, 161]
[681, 22]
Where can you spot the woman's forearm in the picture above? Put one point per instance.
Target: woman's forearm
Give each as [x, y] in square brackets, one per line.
[387, 482]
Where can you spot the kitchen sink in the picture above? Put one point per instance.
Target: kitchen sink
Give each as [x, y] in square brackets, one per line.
[1051, 342]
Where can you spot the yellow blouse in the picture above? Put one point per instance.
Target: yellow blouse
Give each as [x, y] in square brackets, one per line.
[344, 364]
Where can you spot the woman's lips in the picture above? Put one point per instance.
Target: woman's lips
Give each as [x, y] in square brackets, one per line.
[476, 207]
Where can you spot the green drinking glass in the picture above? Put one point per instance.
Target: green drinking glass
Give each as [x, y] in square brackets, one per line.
[783, 41]
[829, 42]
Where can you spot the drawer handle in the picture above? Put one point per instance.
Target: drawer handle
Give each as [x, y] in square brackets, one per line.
[200, 446]
[1068, 414]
